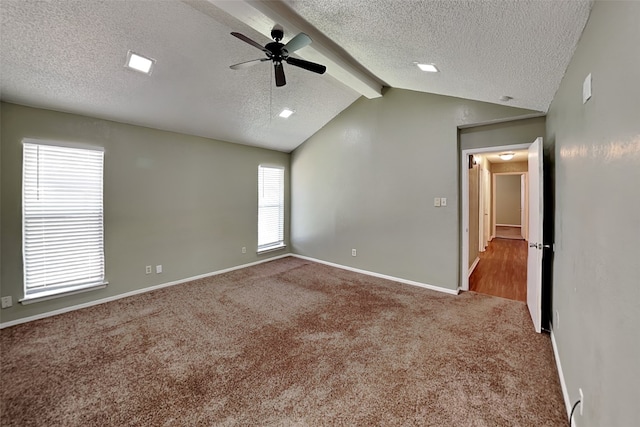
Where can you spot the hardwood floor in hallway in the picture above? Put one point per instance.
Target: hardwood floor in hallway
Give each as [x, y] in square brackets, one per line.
[502, 270]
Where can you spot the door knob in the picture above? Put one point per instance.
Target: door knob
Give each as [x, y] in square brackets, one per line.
[533, 245]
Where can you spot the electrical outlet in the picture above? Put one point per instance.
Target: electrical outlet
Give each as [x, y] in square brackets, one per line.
[443, 201]
[581, 401]
[7, 302]
[147, 269]
[436, 202]
[244, 250]
[353, 252]
[158, 269]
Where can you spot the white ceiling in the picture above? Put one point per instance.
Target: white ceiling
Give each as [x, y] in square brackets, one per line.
[519, 156]
[484, 49]
[69, 56]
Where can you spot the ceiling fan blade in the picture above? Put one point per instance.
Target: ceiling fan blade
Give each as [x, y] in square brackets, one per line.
[298, 42]
[247, 64]
[280, 80]
[311, 66]
[251, 42]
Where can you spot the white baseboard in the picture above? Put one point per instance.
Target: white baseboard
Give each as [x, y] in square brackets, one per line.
[132, 293]
[381, 276]
[563, 384]
[473, 266]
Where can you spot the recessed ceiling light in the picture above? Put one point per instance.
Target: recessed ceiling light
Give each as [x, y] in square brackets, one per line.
[506, 156]
[139, 63]
[427, 67]
[285, 113]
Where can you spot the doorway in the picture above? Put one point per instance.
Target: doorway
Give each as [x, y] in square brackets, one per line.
[496, 221]
[510, 201]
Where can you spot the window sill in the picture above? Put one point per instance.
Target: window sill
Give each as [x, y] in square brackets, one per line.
[59, 293]
[271, 249]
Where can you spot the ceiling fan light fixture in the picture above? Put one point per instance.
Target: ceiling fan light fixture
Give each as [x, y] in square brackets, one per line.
[285, 113]
[506, 156]
[139, 63]
[430, 68]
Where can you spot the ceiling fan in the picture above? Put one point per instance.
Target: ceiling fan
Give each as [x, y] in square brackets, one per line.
[278, 52]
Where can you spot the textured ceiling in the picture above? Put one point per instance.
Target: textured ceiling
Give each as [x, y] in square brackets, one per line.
[69, 56]
[484, 49]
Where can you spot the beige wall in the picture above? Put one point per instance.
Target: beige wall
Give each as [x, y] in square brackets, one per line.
[595, 148]
[367, 180]
[185, 202]
[508, 199]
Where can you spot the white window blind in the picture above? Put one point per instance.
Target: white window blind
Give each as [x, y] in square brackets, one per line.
[270, 208]
[62, 227]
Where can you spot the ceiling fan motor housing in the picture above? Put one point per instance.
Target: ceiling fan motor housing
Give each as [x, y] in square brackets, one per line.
[278, 54]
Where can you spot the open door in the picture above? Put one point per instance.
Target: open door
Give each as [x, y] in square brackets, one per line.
[534, 256]
[486, 181]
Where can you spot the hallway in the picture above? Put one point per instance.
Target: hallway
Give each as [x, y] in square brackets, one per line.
[502, 270]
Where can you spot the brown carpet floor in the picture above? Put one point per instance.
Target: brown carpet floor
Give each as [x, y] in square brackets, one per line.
[289, 342]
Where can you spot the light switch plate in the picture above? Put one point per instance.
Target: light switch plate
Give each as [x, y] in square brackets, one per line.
[443, 201]
[158, 269]
[586, 89]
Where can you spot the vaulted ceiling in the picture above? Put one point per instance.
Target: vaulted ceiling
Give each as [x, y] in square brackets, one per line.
[69, 56]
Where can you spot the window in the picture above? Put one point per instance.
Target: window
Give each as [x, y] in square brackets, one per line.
[62, 225]
[270, 208]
